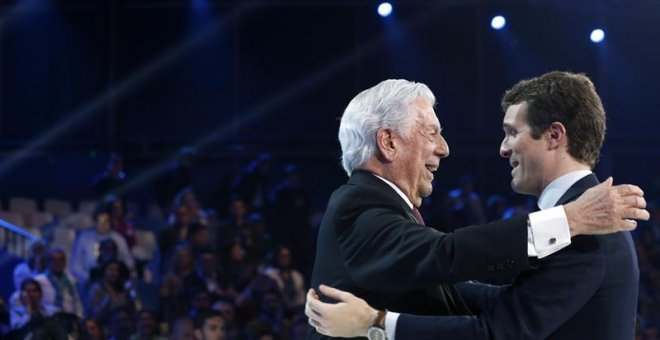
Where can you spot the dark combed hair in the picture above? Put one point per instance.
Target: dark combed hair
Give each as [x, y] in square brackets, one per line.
[568, 98]
[201, 317]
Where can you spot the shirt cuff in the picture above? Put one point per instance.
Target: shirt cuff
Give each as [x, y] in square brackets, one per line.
[547, 232]
[390, 324]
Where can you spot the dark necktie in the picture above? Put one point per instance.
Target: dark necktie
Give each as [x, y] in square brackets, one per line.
[418, 216]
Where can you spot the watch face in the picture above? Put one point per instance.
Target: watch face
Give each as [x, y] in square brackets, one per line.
[376, 333]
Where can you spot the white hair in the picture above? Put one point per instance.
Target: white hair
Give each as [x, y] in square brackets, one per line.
[386, 105]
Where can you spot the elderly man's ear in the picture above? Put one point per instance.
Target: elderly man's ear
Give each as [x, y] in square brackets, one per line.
[386, 143]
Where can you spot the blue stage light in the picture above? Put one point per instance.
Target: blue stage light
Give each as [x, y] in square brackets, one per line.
[498, 22]
[597, 35]
[385, 9]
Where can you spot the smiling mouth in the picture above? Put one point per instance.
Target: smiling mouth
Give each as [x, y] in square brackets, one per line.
[514, 166]
[432, 168]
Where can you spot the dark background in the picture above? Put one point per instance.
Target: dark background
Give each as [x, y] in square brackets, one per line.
[79, 79]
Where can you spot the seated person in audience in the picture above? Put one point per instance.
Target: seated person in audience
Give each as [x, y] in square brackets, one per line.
[121, 324]
[183, 329]
[110, 292]
[32, 311]
[68, 322]
[271, 316]
[239, 265]
[58, 286]
[147, 326]
[249, 303]
[179, 283]
[198, 237]
[256, 237]
[209, 326]
[120, 221]
[90, 329]
[108, 250]
[200, 301]
[289, 280]
[174, 233]
[187, 197]
[230, 228]
[85, 249]
[210, 273]
[33, 265]
[228, 311]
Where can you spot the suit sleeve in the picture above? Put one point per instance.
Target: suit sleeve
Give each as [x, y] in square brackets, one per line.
[385, 251]
[534, 307]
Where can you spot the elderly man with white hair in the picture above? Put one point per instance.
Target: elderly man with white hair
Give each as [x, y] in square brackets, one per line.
[373, 242]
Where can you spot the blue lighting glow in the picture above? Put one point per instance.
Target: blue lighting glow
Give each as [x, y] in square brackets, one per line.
[597, 35]
[498, 22]
[385, 9]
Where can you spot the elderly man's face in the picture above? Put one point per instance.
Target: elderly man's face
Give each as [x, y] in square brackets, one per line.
[421, 153]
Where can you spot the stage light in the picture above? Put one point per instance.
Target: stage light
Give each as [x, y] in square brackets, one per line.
[385, 9]
[498, 22]
[597, 35]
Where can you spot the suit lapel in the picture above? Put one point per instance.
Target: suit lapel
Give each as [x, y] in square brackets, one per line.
[578, 188]
[364, 177]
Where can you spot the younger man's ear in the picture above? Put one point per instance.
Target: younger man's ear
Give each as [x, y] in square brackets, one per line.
[557, 135]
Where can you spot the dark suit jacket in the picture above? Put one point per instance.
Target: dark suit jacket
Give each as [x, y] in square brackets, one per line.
[369, 244]
[587, 290]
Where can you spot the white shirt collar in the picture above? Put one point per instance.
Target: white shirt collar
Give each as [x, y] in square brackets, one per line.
[557, 188]
[398, 191]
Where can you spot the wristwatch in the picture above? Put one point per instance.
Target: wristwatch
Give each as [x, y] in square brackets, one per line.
[377, 330]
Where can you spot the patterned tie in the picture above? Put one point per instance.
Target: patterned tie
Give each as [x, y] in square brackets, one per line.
[418, 216]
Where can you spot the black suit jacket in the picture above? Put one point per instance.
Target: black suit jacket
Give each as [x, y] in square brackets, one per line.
[369, 244]
[587, 290]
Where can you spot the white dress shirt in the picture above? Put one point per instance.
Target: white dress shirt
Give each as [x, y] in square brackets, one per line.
[547, 230]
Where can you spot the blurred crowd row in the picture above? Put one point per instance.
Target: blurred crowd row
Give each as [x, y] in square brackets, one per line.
[175, 269]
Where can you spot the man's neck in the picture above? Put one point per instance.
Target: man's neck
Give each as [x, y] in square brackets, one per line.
[558, 187]
[563, 164]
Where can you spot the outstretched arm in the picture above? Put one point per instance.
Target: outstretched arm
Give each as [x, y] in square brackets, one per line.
[605, 209]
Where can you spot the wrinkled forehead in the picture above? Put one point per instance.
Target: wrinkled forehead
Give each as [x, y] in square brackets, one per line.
[425, 114]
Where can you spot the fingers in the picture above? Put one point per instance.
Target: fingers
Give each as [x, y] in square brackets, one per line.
[636, 214]
[318, 326]
[627, 225]
[314, 318]
[628, 189]
[336, 294]
[311, 296]
[633, 202]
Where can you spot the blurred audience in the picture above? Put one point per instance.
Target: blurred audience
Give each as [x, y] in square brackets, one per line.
[87, 245]
[110, 292]
[33, 310]
[219, 275]
[289, 280]
[108, 181]
[209, 326]
[58, 286]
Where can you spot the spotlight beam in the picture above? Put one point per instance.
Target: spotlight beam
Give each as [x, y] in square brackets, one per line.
[93, 107]
[304, 85]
